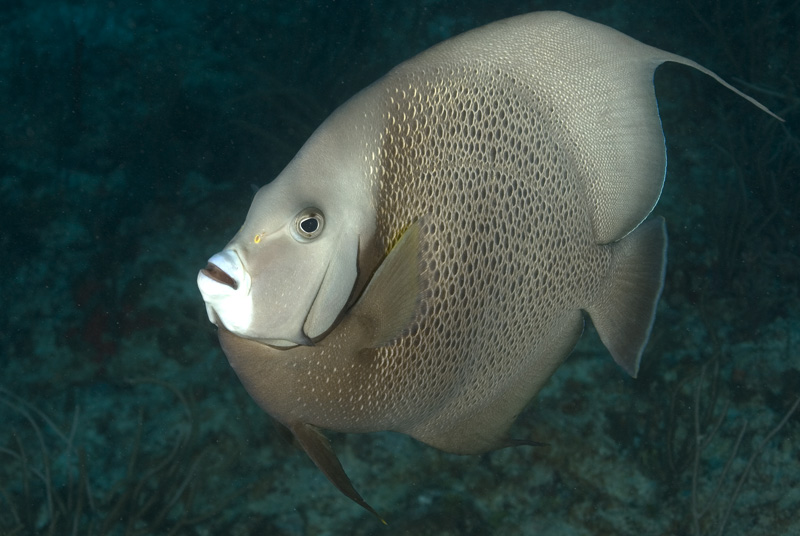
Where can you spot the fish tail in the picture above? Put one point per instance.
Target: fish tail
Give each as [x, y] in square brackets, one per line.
[625, 311]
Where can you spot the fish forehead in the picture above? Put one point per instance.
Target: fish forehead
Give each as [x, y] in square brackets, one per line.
[509, 242]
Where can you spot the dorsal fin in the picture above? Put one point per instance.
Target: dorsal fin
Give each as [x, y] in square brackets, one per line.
[601, 81]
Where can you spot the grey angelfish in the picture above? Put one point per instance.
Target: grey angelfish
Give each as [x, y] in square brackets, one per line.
[424, 263]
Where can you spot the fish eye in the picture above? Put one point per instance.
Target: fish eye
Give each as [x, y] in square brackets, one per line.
[308, 224]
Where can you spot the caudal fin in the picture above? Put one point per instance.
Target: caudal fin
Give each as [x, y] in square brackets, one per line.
[624, 313]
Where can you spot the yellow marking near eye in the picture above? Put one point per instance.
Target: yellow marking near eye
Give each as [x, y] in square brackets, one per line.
[257, 238]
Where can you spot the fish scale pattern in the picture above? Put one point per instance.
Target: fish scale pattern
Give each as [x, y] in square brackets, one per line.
[507, 248]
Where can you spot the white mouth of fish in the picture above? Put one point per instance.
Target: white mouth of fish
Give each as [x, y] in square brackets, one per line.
[219, 275]
[225, 286]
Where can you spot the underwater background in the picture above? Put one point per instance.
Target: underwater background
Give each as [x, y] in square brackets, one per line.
[131, 135]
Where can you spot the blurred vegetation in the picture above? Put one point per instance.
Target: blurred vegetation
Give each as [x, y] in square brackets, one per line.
[50, 482]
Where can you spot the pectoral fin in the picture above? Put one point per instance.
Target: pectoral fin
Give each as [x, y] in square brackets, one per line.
[395, 297]
[319, 450]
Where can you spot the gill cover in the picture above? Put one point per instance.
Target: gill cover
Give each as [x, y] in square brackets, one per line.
[301, 274]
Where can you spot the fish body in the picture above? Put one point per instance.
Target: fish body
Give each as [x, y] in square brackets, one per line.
[423, 265]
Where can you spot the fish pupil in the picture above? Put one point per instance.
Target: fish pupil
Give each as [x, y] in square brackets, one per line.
[309, 225]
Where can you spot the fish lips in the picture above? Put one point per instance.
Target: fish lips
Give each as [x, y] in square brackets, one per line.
[219, 275]
[225, 286]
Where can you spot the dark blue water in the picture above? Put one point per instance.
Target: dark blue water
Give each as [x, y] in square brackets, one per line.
[132, 134]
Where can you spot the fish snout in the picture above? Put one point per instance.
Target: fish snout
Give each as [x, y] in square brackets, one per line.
[223, 275]
[225, 286]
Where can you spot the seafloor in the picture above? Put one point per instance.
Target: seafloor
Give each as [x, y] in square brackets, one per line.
[132, 134]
